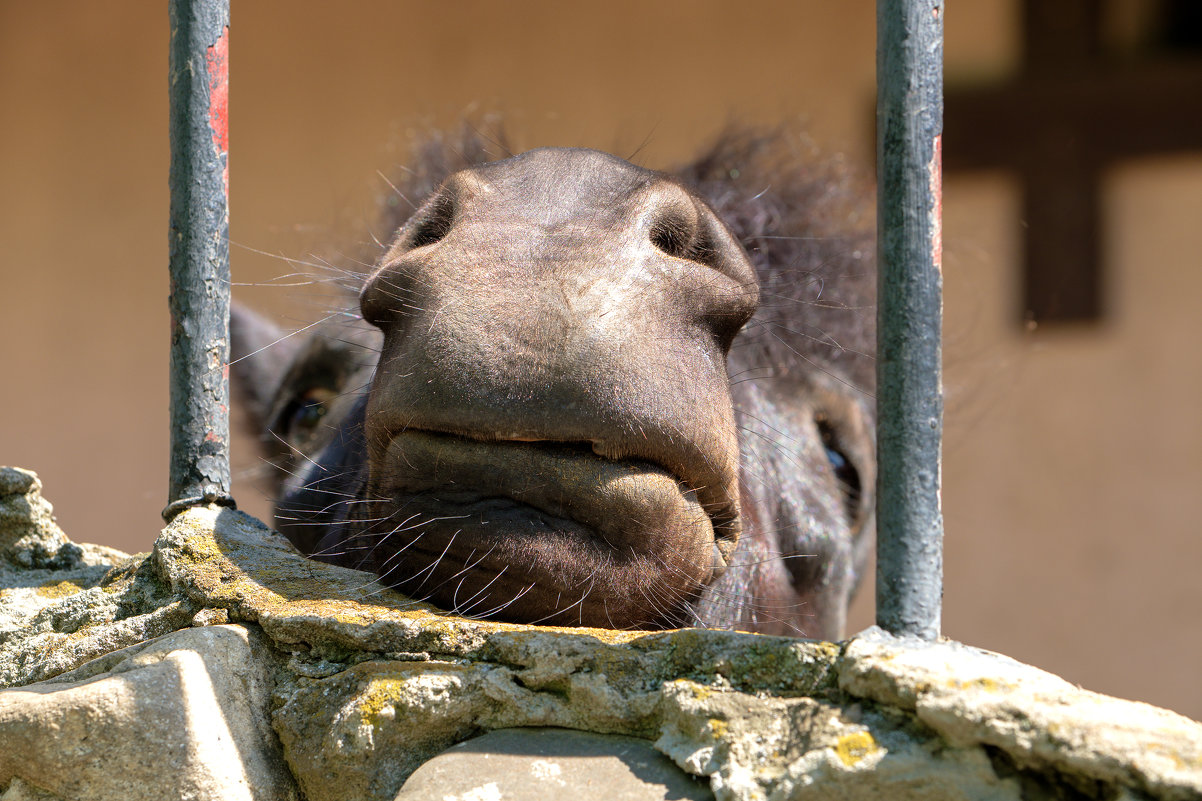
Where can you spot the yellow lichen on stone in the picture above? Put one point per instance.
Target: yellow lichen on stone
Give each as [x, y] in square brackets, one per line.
[1178, 757]
[830, 651]
[718, 728]
[986, 683]
[58, 589]
[406, 689]
[855, 747]
[378, 701]
[201, 547]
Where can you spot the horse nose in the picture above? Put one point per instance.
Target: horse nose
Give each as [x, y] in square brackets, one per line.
[549, 300]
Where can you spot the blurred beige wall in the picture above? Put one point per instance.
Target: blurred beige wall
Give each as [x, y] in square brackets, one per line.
[1073, 457]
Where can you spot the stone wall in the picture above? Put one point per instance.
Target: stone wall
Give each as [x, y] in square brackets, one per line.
[225, 665]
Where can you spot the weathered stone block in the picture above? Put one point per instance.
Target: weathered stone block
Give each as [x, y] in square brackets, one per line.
[226, 665]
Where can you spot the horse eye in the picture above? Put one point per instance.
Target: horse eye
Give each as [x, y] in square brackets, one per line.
[837, 459]
[307, 410]
[845, 472]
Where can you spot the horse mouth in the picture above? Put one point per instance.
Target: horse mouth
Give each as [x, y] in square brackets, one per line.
[541, 531]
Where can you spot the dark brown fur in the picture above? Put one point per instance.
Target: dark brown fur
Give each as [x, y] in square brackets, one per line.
[799, 373]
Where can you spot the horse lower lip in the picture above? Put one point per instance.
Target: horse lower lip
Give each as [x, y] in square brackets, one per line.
[630, 504]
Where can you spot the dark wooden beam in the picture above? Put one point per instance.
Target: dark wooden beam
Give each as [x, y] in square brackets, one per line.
[1065, 118]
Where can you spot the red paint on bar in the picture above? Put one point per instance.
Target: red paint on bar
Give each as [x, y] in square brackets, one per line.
[218, 62]
[936, 170]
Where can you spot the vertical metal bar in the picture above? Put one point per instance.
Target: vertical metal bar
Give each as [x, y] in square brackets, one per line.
[200, 274]
[909, 582]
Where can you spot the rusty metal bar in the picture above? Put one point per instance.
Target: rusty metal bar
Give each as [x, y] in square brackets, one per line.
[909, 579]
[199, 260]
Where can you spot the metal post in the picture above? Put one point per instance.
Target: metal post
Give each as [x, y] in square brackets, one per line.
[909, 580]
[200, 273]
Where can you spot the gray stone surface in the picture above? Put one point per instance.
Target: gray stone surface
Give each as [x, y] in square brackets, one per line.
[549, 765]
[182, 716]
[1042, 722]
[20, 790]
[257, 673]
[63, 604]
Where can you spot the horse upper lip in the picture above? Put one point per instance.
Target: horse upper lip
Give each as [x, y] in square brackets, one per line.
[595, 448]
[569, 479]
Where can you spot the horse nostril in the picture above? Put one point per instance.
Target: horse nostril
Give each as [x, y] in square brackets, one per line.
[674, 235]
[688, 233]
[433, 221]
